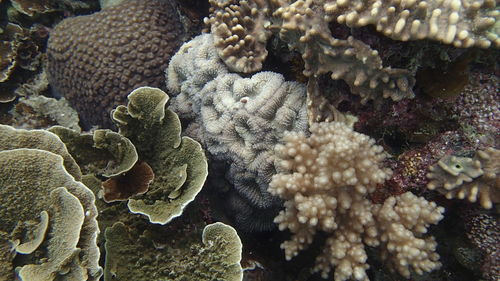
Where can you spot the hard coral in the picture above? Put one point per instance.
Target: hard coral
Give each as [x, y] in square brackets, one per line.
[96, 60]
[326, 179]
[39, 178]
[239, 120]
[472, 178]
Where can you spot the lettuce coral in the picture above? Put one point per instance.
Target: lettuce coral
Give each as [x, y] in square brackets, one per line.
[472, 178]
[179, 163]
[217, 258]
[35, 182]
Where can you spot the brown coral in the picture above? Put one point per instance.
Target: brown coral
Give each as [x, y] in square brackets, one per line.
[134, 182]
[472, 178]
[96, 60]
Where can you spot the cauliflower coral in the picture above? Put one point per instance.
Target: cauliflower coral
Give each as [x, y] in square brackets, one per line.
[325, 180]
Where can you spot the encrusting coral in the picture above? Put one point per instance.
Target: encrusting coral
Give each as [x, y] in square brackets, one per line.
[472, 178]
[241, 29]
[95, 61]
[35, 182]
[239, 121]
[325, 180]
[217, 258]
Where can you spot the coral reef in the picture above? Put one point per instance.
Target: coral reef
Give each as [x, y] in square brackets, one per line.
[96, 60]
[325, 180]
[102, 152]
[179, 163]
[238, 120]
[241, 30]
[477, 109]
[483, 230]
[472, 178]
[35, 182]
[40, 112]
[133, 182]
[218, 258]
[19, 52]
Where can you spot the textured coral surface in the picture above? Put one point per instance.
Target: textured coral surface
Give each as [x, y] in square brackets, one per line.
[96, 60]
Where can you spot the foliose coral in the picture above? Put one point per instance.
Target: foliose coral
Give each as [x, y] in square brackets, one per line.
[472, 178]
[36, 183]
[179, 163]
[325, 180]
[217, 258]
[18, 51]
[238, 120]
[38, 139]
[96, 60]
[102, 152]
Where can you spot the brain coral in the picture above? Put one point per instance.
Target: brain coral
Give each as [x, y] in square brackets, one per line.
[95, 61]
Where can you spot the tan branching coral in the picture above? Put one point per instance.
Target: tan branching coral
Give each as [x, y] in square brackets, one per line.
[472, 178]
[303, 25]
[240, 33]
[325, 181]
[457, 22]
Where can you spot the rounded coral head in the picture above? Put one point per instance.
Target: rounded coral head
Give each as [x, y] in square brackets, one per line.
[96, 60]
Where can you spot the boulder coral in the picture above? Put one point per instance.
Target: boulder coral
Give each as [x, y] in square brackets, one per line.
[96, 60]
[239, 121]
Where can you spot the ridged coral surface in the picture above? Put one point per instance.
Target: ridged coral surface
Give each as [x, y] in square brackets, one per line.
[96, 60]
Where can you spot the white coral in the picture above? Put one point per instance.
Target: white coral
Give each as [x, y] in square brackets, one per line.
[239, 120]
[325, 180]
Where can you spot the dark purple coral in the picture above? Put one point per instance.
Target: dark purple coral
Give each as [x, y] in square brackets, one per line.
[96, 60]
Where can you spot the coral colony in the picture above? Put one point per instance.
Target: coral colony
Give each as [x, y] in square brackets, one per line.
[249, 140]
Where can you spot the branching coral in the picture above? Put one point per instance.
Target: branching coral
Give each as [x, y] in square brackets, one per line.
[96, 60]
[242, 27]
[239, 120]
[472, 178]
[325, 180]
